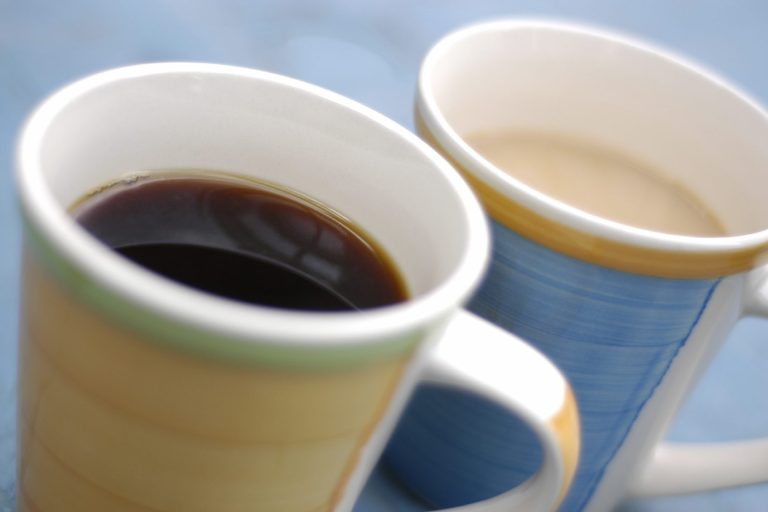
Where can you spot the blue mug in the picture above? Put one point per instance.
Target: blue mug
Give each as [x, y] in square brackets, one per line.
[632, 315]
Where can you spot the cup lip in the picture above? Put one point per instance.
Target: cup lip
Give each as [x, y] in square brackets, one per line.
[223, 317]
[541, 204]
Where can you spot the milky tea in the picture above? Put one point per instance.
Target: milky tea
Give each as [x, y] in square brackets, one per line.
[598, 181]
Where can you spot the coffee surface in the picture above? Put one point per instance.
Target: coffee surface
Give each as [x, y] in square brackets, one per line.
[243, 241]
[598, 181]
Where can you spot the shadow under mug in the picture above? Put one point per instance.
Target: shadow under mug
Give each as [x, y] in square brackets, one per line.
[138, 393]
[631, 316]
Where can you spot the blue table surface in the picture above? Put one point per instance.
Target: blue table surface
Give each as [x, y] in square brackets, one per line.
[369, 51]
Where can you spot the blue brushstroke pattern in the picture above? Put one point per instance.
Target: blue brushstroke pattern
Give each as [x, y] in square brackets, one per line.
[614, 334]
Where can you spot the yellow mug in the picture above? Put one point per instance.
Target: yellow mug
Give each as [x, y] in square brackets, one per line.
[139, 394]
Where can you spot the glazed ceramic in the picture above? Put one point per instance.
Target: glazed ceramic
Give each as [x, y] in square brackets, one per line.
[631, 316]
[140, 394]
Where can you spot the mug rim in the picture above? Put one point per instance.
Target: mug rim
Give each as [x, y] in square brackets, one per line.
[430, 116]
[56, 233]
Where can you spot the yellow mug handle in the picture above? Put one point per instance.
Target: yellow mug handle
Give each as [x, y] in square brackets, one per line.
[479, 357]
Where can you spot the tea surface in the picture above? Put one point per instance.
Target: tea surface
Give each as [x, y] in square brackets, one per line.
[598, 181]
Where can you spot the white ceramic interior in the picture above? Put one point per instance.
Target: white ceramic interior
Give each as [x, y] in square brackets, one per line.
[587, 83]
[201, 116]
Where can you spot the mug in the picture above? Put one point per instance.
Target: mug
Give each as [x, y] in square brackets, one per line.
[138, 393]
[632, 316]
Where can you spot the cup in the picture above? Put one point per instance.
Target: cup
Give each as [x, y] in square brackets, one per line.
[138, 393]
[632, 316]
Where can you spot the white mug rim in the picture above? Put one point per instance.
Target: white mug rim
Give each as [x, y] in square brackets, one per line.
[550, 208]
[227, 318]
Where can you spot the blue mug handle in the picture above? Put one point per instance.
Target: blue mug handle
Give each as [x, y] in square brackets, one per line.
[682, 468]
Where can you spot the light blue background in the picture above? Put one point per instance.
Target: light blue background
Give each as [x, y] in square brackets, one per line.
[369, 51]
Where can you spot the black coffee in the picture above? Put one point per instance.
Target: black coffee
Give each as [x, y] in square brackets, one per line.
[243, 241]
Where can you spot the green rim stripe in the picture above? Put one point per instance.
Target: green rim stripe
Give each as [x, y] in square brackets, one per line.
[196, 341]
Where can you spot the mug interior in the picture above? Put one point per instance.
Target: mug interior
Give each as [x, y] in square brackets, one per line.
[619, 94]
[195, 116]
